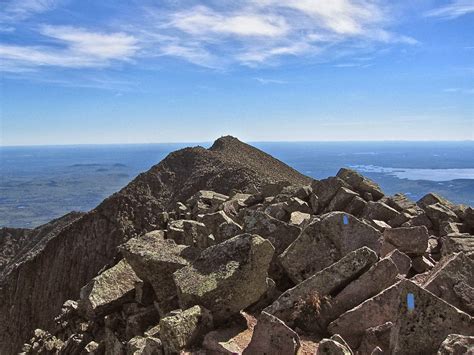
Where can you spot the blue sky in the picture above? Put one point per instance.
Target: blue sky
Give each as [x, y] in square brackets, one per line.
[263, 70]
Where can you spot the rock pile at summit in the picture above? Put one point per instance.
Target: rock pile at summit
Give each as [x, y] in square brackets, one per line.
[282, 265]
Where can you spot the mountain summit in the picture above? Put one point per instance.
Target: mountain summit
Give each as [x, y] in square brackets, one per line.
[34, 287]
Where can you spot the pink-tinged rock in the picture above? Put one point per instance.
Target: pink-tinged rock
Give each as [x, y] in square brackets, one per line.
[453, 281]
[373, 312]
[380, 276]
[272, 336]
[328, 280]
[424, 322]
[401, 260]
[376, 337]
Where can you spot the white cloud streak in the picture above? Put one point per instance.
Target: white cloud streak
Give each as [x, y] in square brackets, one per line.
[17, 10]
[248, 32]
[76, 48]
[453, 10]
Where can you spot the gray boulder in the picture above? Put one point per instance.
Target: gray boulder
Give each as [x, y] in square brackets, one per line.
[189, 232]
[411, 240]
[323, 283]
[325, 241]
[356, 206]
[279, 233]
[227, 277]
[326, 189]
[109, 290]
[439, 213]
[155, 260]
[341, 199]
[185, 328]
[379, 211]
[360, 183]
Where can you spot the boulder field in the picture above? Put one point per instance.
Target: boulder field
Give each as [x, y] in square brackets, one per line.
[276, 264]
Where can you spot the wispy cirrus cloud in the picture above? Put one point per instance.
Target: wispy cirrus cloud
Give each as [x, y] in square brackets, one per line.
[16, 10]
[217, 35]
[452, 10]
[74, 48]
[255, 32]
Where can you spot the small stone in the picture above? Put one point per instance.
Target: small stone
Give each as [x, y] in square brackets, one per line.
[185, 328]
[299, 219]
[272, 336]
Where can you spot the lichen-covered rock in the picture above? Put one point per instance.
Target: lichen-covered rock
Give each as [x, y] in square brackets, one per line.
[279, 233]
[228, 277]
[144, 346]
[138, 322]
[325, 241]
[184, 328]
[323, 283]
[272, 336]
[401, 260]
[109, 290]
[155, 261]
[205, 201]
[456, 344]
[189, 232]
[425, 317]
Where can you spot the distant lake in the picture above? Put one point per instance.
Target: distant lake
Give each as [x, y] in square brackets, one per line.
[38, 184]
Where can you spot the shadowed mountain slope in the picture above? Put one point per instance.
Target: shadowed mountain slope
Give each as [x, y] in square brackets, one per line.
[33, 291]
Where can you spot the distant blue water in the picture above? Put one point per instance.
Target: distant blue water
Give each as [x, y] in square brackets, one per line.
[41, 183]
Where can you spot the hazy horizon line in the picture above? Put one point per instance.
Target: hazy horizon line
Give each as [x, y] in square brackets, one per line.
[249, 142]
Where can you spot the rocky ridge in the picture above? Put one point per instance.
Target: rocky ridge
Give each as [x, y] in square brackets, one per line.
[39, 274]
[275, 266]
